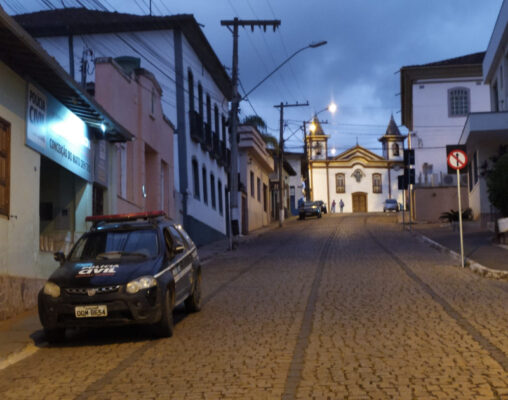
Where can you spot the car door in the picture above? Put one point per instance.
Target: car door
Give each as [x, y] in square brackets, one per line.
[183, 272]
[174, 262]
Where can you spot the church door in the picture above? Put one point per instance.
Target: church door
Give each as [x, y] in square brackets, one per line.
[359, 202]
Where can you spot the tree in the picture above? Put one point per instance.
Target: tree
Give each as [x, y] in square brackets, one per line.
[497, 183]
[259, 123]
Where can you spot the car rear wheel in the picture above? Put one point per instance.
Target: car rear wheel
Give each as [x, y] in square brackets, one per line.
[193, 302]
[165, 326]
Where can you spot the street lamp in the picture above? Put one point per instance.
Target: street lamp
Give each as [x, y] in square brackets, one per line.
[310, 46]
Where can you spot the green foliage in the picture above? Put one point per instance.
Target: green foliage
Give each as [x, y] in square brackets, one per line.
[453, 215]
[497, 184]
[259, 123]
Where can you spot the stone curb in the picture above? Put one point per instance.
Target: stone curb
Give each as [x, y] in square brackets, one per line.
[474, 266]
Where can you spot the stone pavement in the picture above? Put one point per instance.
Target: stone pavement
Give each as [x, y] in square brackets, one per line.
[343, 307]
[479, 244]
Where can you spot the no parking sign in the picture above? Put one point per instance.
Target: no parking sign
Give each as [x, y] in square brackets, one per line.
[456, 158]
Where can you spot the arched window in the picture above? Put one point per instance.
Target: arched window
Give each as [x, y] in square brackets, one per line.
[376, 183]
[195, 175]
[458, 102]
[219, 193]
[191, 90]
[212, 190]
[205, 187]
[395, 150]
[340, 183]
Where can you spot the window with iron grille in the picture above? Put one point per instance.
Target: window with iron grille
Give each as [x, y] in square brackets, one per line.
[458, 102]
[340, 183]
[191, 90]
[376, 183]
[5, 153]
[195, 175]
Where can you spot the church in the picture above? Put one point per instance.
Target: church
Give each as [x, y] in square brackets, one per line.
[360, 178]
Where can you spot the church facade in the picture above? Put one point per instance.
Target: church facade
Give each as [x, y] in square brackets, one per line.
[360, 178]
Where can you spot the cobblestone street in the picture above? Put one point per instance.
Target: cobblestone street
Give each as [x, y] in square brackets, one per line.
[343, 307]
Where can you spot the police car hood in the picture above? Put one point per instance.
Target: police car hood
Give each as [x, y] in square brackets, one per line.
[102, 273]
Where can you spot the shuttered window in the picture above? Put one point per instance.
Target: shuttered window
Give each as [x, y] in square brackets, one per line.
[5, 153]
[376, 183]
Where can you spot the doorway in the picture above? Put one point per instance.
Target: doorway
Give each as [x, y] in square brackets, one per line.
[359, 202]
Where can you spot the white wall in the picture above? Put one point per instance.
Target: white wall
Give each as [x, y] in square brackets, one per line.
[433, 127]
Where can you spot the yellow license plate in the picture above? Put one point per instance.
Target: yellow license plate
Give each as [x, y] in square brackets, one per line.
[91, 311]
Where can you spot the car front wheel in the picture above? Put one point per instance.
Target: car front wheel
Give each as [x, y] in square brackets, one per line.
[193, 302]
[165, 326]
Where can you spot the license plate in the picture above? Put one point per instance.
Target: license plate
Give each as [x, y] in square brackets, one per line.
[91, 311]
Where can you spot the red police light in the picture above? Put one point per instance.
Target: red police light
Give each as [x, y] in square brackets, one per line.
[125, 217]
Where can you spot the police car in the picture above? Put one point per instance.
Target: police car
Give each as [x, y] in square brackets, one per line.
[128, 269]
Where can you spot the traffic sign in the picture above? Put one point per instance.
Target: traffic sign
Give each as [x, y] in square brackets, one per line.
[456, 158]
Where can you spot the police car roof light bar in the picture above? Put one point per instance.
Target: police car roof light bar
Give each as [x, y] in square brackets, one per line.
[124, 217]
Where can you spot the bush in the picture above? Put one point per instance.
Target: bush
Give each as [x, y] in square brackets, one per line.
[497, 184]
[452, 215]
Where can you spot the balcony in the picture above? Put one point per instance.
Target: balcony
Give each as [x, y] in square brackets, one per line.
[196, 126]
[207, 145]
[216, 148]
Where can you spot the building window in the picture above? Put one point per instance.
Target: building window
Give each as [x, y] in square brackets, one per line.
[376, 183]
[191, 90]
[252, 183]
[395, 150]
[475, 167]
[212, 190]
[200, 99]
[219, 192]
[224, 129]
[5, 155]
[216, 120]
[209, 110]
[458, 102]
[205, 187]
[259, 189]
[195, 175]
[265, 197]
[340, 183]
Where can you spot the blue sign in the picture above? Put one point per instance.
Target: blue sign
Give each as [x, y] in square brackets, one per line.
[57, 133]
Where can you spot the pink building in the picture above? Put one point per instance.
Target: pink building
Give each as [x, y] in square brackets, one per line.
[144, 177]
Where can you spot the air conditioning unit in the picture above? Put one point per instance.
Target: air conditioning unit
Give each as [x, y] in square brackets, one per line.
[449, 180]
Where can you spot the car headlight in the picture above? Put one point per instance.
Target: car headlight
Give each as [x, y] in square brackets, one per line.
[145, 282]
[51, 289]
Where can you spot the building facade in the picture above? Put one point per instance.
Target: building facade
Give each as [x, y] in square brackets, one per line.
[256, 165]
[359, 178]
[51, 134]
[196, 93]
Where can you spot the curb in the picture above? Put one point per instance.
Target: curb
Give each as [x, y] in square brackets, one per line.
[474, 266]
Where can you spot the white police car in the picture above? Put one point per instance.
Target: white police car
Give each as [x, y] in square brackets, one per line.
[128, 269]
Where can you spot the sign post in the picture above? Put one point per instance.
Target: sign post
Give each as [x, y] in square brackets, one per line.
[457, 160]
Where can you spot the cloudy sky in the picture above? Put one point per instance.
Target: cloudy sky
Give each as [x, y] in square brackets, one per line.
[368, 42]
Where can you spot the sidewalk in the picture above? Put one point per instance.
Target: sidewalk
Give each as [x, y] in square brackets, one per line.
[482, 254]
[22, 335]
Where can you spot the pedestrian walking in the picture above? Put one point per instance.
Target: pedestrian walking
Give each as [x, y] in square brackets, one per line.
[333, 206]
[341, 205]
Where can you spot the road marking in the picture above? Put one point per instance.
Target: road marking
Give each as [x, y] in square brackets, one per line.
[495, 352]
[297, 362]
[18, 356]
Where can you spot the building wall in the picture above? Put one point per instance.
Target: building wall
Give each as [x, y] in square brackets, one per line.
[432, 202]
[433, 128]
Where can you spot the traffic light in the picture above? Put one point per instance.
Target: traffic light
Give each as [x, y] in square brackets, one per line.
[409, 157]
[402, 182]
[409, 176]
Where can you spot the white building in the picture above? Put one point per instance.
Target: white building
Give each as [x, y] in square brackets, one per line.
[485, 132]
[436, 99]
[296, 182]
[358, 177]
[195, 93]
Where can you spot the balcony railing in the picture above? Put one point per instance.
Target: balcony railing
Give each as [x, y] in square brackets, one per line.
[196, 126]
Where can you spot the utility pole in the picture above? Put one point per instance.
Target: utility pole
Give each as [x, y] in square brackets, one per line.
[281, 155]
[233, 174]
[306, 157]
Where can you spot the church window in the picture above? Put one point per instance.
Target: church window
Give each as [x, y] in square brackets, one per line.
[395, 150]
[340, 183]
[376, 183]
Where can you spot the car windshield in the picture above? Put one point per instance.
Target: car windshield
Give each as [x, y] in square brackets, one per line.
[391, 201]
[106, 245]
[310, 203]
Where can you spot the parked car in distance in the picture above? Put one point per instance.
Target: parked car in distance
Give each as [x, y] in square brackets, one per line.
[391, 205]
[309, 208]
[128, 269]
[321, 204]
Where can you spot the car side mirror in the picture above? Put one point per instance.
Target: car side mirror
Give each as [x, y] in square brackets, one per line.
[60, 257]
[178, 249]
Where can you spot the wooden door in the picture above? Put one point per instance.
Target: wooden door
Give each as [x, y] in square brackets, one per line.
[359, 200]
